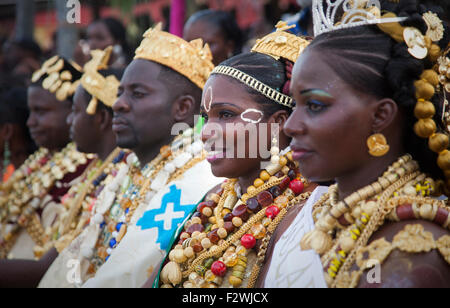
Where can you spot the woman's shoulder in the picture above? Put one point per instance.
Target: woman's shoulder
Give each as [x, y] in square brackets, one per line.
[408, 253]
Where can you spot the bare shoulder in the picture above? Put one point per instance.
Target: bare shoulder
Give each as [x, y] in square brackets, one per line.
[419, 257]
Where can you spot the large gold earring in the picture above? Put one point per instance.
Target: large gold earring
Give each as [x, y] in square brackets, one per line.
[377, 145]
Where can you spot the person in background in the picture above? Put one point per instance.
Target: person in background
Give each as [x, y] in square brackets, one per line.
[107, 32]
[219, 30]
[15, 141]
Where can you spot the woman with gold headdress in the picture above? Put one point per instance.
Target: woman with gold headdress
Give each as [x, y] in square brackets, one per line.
[368, 116]
[245, 103]
[31, 198]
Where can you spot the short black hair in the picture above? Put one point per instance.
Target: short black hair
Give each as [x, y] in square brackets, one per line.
[226, 23]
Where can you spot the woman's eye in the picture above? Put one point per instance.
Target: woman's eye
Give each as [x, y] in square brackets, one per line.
[315, 106]
[225, 115]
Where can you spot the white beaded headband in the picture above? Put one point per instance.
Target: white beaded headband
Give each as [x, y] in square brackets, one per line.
[255, 84]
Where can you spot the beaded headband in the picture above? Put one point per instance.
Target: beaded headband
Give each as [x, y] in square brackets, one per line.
[331, 15]
[101, 88]
[278, 44]
[255, 84]
[61, 77]
[191, 59]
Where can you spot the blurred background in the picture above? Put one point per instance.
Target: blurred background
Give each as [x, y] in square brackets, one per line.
[34, 30]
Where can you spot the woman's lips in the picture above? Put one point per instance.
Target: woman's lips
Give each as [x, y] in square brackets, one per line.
[299, 153]
[215, 155]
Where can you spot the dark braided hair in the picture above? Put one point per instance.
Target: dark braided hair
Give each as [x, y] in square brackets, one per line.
[273, 73]
[372, 62]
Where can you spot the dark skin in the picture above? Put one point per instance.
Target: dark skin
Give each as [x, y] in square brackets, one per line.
[229, 100]
[147, 108]
[326, 103]
[99, 37]
[91, 133]
[221, 48]
[48, 128]
[47, 121]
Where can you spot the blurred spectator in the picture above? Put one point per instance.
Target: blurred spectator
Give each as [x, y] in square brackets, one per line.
[15, 141]
[110, 32]
[21, 58]
[303, 20]
[217, 28]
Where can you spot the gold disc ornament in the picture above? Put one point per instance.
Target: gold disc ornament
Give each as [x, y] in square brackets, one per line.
[377, 145]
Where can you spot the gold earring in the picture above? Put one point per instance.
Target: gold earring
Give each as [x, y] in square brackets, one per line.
[377, 145]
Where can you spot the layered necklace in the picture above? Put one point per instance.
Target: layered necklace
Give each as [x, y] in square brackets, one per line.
[225, 229]
[28, 189]
[135, 187]
[343, 228]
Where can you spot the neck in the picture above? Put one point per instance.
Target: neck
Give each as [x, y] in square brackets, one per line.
[365, 175]
[148, 153]
[107, 146]
[247, 180]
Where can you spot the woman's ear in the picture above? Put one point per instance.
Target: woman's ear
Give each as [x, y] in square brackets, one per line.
[6, 131]
[384, 113]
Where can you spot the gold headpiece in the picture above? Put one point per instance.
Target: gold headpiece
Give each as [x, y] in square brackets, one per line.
[101, 88]
[281, 44]
[190, 59]
[62, 77]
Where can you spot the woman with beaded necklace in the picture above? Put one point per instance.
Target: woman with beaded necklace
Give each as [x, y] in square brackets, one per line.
[385, 223]
[216, 246]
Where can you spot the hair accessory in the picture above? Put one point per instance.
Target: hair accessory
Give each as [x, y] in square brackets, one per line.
[330, 15]
[255, 84]
[191, 59]
[61, 77]
[101, 88]
[281, 44]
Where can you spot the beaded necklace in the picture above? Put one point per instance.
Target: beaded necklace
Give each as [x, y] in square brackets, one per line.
[224, 230]
[397, 195]
[27, 195]
[81, 198]
[138, 189]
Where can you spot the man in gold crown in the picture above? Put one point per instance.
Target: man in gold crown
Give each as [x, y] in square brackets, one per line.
[31, 200]
[158, 96]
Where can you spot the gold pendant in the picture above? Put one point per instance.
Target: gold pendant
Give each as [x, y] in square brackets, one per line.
[377, 145]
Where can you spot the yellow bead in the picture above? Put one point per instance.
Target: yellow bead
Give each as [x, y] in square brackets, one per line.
[265, 176]
[235, 281]
[258, 183]
[283, 161]
[251, 189]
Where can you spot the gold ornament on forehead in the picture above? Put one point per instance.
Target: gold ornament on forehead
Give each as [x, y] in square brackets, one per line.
[281, 44]
[101, 88]
[60, 80]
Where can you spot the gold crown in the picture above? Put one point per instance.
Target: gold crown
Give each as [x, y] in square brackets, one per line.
[62, 77]
[190, 59]
[281, 44]
[101, 88]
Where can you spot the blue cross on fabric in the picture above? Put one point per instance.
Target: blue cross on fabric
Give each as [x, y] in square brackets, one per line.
[167, 218]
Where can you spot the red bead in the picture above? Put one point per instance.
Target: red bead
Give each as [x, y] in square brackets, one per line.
[272, 211]
[285, 183]
[297, 186]
[219, 268]
[248, 241]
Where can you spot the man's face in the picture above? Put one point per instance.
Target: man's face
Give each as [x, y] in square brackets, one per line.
[84, 130]
[143, 108]
[47, 121]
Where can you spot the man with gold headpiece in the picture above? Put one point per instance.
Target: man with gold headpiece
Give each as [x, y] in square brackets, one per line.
[158, 96]
[30, 202]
